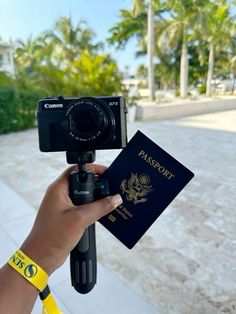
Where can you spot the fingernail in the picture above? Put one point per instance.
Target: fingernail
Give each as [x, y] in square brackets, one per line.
[117, 200]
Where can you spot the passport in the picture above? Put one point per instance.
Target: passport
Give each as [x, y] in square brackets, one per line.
[148, 179]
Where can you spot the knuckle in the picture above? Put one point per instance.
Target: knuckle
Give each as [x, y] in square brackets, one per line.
[53, 188]
[50, 188]
[108, 206]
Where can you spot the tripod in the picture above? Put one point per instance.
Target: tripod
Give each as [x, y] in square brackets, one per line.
[84, 188]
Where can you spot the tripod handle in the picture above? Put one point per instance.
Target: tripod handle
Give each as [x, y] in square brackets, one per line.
[83, 258]
[83, 262]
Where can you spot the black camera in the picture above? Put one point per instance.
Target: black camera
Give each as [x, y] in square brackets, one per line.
[78, 124]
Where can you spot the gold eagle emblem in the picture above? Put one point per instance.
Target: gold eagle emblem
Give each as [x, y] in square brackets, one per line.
[136, 188]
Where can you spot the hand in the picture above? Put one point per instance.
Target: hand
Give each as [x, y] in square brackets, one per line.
[59, 224]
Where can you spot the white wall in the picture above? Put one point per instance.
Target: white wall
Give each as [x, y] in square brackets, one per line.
[6, 59]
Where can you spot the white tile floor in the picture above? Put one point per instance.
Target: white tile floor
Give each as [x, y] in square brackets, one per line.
[110, 294]
[12, 205]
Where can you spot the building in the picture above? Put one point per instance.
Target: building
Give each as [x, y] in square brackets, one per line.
[6, 59]
[131, 82]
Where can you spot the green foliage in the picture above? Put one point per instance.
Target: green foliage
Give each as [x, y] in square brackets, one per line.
[129, 26]
[17, 104]
[177, 92]
[5, 80]
[202, 89]
[65, 60]
[8, 115]
[93, 75]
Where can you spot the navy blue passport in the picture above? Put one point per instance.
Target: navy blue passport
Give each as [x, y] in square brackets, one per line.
[148, 179]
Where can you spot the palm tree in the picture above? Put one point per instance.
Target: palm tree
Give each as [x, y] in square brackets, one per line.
[138, 22]
[150, 50]
[71, 40]
[27, 54]
[179, 27]
[219, 29]
[133, 24]
[233, 63]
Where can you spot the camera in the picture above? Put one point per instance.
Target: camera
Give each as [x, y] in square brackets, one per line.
[79, 124]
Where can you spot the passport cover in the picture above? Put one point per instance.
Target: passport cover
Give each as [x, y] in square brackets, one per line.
[148, 179]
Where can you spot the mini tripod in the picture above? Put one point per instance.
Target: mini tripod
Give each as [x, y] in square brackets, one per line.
[84, 188]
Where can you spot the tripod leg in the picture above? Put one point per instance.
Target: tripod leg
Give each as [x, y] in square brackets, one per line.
[83, 262]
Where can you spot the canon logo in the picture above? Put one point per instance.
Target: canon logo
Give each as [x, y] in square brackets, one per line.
[49, 106]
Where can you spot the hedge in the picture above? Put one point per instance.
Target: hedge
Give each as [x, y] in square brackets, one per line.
[17, 106]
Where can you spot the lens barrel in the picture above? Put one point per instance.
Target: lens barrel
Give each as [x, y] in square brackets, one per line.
[89, 120]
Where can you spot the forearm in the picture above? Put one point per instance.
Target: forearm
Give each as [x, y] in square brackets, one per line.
[17, 295]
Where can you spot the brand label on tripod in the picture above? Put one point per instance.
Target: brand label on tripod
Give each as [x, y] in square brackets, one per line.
[81, 192]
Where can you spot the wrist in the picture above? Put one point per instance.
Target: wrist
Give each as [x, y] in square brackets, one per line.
[35, 275]
[14, 277]
[41, 254]
[17, 295]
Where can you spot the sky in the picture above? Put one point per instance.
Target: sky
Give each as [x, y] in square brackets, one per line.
[21, 18]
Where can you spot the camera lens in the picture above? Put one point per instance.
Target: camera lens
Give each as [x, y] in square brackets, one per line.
[84, 121]
[89, 120]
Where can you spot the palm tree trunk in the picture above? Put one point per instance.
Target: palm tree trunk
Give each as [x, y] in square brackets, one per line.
[233, 86]
[150, 46]
[184, 67]
[211, 62]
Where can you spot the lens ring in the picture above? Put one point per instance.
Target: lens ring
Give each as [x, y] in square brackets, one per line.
[87, 123]
[97, 111]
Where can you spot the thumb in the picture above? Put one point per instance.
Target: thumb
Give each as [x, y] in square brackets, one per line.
[89, 213]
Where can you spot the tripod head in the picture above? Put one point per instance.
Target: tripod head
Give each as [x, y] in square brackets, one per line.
[80, 158]
[84, 187]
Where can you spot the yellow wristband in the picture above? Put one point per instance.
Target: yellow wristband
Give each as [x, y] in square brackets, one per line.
[49, 304]
[37, 277]
[29, 270]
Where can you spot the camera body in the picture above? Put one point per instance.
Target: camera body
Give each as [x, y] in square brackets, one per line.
[80, 124]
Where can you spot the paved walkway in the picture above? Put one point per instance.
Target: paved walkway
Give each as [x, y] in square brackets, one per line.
[186, 261]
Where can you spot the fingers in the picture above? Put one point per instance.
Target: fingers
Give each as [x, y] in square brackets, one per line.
[65, 174]
[61, 184]
[89, 213]
[62, 181]
[96, 169]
